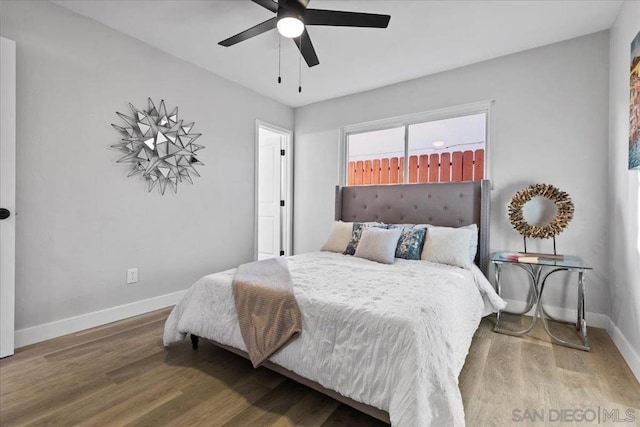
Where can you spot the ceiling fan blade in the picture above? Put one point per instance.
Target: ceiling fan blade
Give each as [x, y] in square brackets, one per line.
[267, 4]
[339, 18]
[306, 48]
[285, 3]
[267, 25]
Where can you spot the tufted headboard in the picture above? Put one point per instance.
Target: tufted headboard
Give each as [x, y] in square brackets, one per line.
[449, 204]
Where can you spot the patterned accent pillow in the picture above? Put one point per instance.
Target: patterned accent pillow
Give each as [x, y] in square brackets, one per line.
[357, 233]
[411, 243]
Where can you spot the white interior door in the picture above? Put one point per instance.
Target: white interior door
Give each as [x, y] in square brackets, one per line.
[270, 145]
[7, 193]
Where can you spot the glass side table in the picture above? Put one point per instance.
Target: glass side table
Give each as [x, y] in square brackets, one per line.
[538, 273]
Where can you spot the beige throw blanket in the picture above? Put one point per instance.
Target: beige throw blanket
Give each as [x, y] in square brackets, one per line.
[268, 313]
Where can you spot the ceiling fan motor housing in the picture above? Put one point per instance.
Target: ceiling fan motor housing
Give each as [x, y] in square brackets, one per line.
[292, 10]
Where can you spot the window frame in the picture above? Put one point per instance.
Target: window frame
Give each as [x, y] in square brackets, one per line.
[405, 121]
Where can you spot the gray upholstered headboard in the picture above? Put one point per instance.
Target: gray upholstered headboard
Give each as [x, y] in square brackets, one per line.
[450, 204]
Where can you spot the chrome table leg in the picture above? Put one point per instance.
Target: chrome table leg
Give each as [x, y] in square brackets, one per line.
[581, 322]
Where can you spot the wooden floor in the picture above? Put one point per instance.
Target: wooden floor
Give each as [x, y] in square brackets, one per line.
[120, 374]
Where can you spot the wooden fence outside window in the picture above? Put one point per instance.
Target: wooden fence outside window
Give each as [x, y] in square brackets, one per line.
[445, 167]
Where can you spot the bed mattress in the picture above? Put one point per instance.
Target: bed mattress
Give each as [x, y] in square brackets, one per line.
[390, 336]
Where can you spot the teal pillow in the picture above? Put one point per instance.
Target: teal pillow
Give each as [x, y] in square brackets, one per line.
[411, 243]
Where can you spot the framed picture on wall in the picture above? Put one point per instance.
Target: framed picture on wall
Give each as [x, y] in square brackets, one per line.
[634, 106]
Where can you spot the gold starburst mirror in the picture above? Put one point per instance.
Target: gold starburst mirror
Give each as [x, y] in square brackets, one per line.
[540, 211]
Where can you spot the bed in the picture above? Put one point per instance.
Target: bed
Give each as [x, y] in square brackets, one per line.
[389, 340]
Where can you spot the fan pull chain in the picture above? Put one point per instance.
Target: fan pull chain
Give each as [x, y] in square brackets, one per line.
[279, 74]
[300, 65]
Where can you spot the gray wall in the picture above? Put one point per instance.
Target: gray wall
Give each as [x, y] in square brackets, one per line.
[81, 222]
[624, 189]
[551, 124]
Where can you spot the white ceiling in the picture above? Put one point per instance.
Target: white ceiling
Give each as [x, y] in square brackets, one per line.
[424, 37]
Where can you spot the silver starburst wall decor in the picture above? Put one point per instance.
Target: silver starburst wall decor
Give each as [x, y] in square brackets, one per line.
[159, 146]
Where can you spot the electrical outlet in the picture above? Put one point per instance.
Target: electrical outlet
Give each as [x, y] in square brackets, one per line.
[132, 276]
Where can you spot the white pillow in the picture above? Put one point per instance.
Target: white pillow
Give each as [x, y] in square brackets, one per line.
[378, 244]
[339, 237]
[448, 245]
[473, 243]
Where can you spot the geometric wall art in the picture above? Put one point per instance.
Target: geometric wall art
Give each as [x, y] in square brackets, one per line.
[159, 146]
[634, 106]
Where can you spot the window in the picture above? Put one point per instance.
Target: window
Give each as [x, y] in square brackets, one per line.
[377, 152]
[441, 146]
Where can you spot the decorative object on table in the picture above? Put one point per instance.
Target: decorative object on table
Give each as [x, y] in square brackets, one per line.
[634, 106]
[540, 211]
[530, 257]
[159, 146]
[521, 257]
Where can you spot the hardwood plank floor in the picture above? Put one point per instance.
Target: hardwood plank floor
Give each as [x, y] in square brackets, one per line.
[120, 374]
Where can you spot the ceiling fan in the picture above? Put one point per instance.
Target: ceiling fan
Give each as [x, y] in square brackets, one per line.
[292, 16]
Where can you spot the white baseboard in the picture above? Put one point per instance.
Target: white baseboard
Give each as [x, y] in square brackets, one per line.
[58, 328]
[593, 319]
[627, 351]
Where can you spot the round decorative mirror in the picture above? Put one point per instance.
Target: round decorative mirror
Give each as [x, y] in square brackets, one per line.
[540, 211]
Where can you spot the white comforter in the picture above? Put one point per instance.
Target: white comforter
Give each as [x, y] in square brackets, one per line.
[391, 336]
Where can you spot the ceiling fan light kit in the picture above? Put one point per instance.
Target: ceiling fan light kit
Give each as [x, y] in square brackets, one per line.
[292, 18]
[290, 27]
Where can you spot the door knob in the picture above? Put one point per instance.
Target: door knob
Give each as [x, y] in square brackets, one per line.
[4, 213]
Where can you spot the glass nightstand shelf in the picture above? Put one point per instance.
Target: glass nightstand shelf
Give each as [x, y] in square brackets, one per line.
[538, 272]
